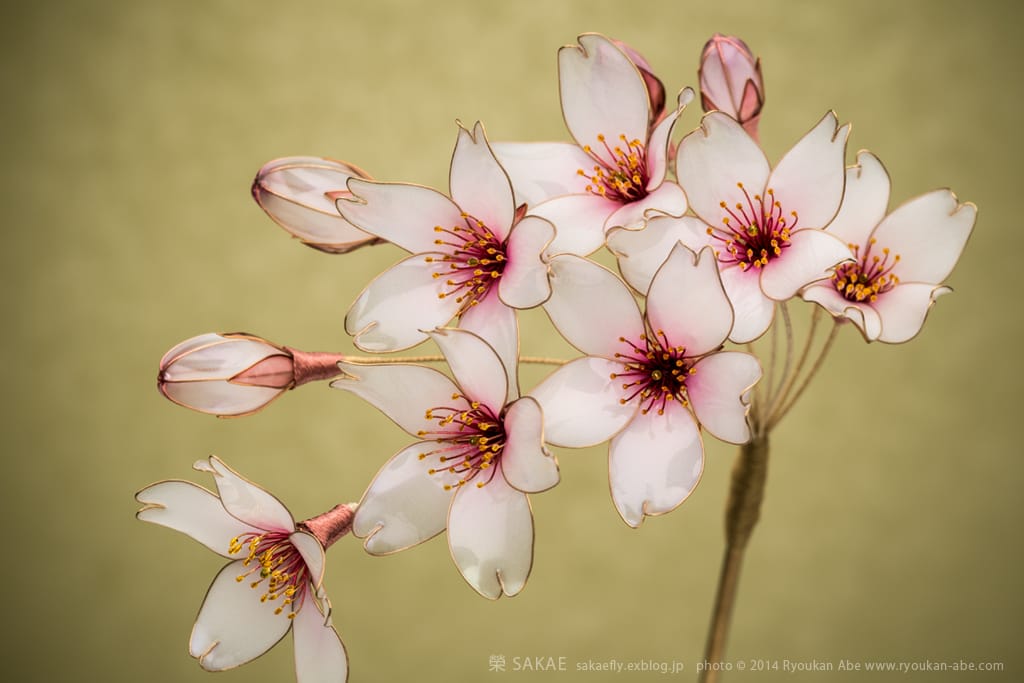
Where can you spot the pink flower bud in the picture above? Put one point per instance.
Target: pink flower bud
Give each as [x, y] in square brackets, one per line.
[730, 81]
[299, 193]
[230, 375]
[655, 88]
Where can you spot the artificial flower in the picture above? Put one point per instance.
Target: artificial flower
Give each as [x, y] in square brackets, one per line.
[273, 583]
[614, 175]
[648, 381]
[900, 259]
[731, 82]
[477, 457]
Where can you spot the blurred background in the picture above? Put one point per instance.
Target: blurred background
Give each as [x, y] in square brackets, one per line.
[891, 529]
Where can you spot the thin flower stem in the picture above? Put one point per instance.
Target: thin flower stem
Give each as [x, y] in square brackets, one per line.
[784, 377]
[781, 413]
[364, 360]
[787, 387]
[762, 389]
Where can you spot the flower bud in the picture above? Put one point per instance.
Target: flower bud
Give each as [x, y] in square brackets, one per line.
[655, 88]
[230, 375]
[730, 81]
[299, 193]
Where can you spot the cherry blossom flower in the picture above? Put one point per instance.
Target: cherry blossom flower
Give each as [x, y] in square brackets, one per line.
[731, 82]
[900, 259]
[476, 458]
[614, 175]
[648, 381]
[475, 256]
[273, 583]
[765, 224]
[300, 194]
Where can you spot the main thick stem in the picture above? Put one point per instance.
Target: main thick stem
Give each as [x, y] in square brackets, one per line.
[742, 511]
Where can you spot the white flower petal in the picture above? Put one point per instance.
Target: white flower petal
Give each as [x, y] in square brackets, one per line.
[320, 655]
[498, 325]
[669, 199]
[686, 301]
[581, 404]
[478, 370]
[395, 308]
[479, 184]
[655, 463]
[490, 535]
[810, 178]
[294, 191]
[658, 144]
[312, 554]
[194, 511]
[904, 308]
[400, 213]
[591, 307]
[233, 626]
[524, 281]
[754, 311]
[864, 202]
[603, 94]
[543, 170]
[712, 160]
[404, 504]
[928, 233]
[214, 356]
[862, 315]
[219, 397]
[718, 392]
[402, 392]
[579, 221]
[641, 252]
[245, 500]
[811, 256]
[526, 464]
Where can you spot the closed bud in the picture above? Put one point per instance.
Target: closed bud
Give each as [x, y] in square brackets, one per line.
[730, 81]
[655, 88]
[299, 193]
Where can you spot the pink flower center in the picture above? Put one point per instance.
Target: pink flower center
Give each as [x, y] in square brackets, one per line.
[626, 180]
[475, 258]
[755, 233]
[868, 276]
[470, 441]
[654, 373]
[277, 569]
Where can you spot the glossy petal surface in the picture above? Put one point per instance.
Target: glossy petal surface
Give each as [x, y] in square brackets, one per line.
[862, 315]
[810, 178]
[476, 366]
[400, 213]
[904, 308]
[402, 392]
[525, 462]
[641, 252]
[250, 503]
[811, 256]
[524, 281]
[320, 655]
[667, 199]
[478, 183]
[219, 397]
[542, 170]
[498, 325]
[717, 391]
[579, 221]
[864, 202]
[754, 311]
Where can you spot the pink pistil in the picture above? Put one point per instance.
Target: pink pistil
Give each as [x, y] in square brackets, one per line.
[753, 234]
[655, 371]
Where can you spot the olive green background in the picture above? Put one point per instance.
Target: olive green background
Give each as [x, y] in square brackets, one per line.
[892, 525]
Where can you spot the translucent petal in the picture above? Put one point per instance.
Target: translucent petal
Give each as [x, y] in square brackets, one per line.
[498, 325]
[219, 397]
[812, 255]
[641, 252]
[320, 655]
[754, 311]
[543, 170]
[213, 356]
[245, 500]
[526, 464]
[864, 202]
[862, 315]
[658, 145]
[479, 184]
[579, 221]
[475, 364]
[400, 213]
[668, 199]
[903, 310]
[718, 391]
[810, 178]
[524, 281]
[312, 554]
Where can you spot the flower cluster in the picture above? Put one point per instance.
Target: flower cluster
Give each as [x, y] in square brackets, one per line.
[710, 241]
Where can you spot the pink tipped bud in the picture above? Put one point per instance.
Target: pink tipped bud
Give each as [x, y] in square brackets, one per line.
[730, 81]
[655, 88]
[299, 193]
[231, 375]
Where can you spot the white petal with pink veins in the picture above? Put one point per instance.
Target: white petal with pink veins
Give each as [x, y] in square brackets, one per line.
[219, 397]
[658, 145]
[591, 307]
[524, 281]
[312, 554]
[320, 655]
[194, 511]
[579, 221]
[669, 199]
[603, 94]
[233, 626]
[864, 202]
[655, 463]
[478, 370]
[641, 252]
[754, 311]
[490, 535]
[404, 504]
[811, 256]
[581, 404]
[810, 178]
[402, 214]
[928, 233]
[525, 462]
[861, 314]
[718, 391]
[402, 392]
[903, 310]
[395, 308]
[479, 184]
[498, 325]
[543, 170]
[712, 160]
[686, 301]
[250, 503]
